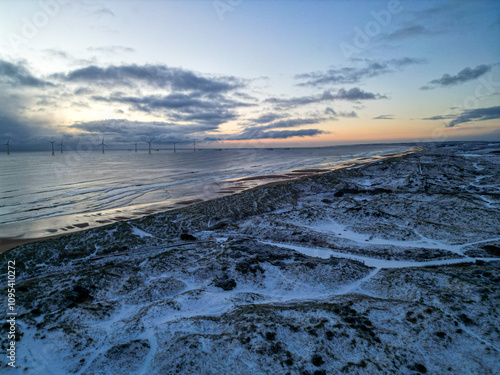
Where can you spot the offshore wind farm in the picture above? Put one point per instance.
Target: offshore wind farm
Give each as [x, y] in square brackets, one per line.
[102, 146]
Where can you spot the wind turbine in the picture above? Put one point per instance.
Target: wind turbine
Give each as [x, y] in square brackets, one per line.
[62, 146]
[149, 142]
[53, 153]
[103, 145]
[136, 147]
[8, 146]
[194, 146]
[174, 146]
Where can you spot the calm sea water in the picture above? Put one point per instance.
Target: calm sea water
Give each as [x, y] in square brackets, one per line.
[41, 194]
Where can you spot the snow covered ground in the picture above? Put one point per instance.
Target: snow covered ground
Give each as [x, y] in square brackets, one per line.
[392, 267]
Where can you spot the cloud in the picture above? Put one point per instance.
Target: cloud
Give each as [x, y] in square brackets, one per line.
[265, 118]
[356, 94]
[433, 11]
[18, 130]
[272, 130]
[174, 95]
[188, 105]
[181, 107]
[353, 94]
[408, 32]
[125, 131]
[54, 52]
[348, 75]
[445, 117]
[157, 76]
[111, 49]
[331, 111]
[215, 117]
[155, 102]
[291, 123]
[465, 75]
[445, 16]
[83, 91]
[478, 114]
[259, 133]
[23, 131]
[103, 12]
[193, 97]
[384, 117]
[17, 75]
[348, 114]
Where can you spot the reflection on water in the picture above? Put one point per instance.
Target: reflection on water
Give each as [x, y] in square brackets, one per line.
[42, 194]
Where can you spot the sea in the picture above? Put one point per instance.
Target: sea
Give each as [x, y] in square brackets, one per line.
[43, 194]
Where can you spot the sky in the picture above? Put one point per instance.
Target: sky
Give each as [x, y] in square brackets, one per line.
[248, 73]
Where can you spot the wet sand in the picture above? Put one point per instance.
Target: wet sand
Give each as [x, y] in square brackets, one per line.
[8, 243]
[228, 187]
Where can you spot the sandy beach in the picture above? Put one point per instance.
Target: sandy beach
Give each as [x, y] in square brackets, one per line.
[47, 228]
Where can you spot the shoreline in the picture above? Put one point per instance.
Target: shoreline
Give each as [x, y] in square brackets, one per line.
[239, 186]
[371, 253]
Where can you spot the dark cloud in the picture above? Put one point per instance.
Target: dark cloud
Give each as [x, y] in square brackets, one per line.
[172, 94]
[384, 117]
[47, 101]
[245, 96]
[158, 76]
[269, 130]
[437, 10]
[356, 94]
[291, 123]
[348, 114]
[439, 18]
[440, 117]
[155, 102]
[445, 15]
[408, 32]
[260, 133]
[465, 75]
[356, 74]
[353, 94]
[331, 111]
[124, 131]
[24, 133]
[265, 118]
[478, 114]
[18, 75]
[215, 117]
[181, 107]
[83, 91]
